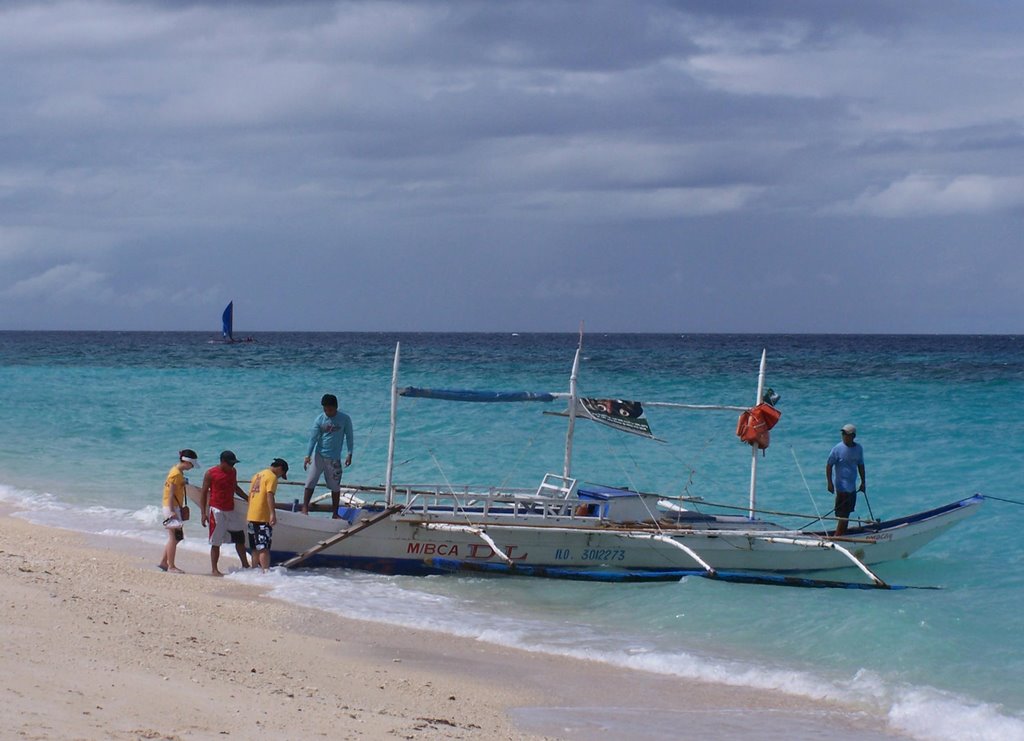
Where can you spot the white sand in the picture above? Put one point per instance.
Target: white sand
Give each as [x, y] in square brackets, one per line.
[99, 644]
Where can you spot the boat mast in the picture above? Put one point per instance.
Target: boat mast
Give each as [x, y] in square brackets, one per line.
[573, 398]
[754, 448]
[388, 490]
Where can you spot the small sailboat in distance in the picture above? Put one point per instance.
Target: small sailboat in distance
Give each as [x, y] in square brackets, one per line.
[227, 332]
[227, 319]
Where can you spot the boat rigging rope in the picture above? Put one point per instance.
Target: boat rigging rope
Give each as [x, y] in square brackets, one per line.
[376, 417]
[808, 488]
[515, 464]
[458, 506]
[619, 449]
[1001, 499]
[707, 479]
[380, 413]
[513, 469]
[744, 508]
[612, 451]
[451, 489]
[692, 469]
[696, 502]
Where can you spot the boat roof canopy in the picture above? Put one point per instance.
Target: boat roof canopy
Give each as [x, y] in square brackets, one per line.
[480, 396]
[604, 493]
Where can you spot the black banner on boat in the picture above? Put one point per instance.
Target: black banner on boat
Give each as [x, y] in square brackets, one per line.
[619, 414]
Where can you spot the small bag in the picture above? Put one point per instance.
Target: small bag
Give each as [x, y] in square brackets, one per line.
[184, 512]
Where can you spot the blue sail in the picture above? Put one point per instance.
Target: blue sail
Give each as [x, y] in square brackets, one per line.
[228, 320]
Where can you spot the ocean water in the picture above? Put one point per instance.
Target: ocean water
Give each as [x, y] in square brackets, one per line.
[90, 423]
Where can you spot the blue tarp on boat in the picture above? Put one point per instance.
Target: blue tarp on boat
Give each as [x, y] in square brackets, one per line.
[467, 395]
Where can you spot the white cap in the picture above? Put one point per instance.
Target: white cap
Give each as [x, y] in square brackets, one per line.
[849, 430]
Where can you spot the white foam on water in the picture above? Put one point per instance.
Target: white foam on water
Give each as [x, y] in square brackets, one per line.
[927, 713]
[919, 712]
[44, 508]
[25, 498]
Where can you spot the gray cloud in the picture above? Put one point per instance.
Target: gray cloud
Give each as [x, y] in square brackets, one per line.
[923, 195]
[62, 284]
[479, 165]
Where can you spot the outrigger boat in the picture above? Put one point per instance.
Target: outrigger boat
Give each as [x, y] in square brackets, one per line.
[569, 529]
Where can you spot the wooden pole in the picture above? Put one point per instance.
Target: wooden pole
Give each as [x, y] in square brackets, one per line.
[753, 448]
[388, 489]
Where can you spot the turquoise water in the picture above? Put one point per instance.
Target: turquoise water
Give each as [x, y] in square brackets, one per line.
[90, 423]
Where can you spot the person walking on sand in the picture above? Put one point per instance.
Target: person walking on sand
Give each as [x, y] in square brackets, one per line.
[173, 503]
[220, 485]
[331, 431]
[846, 460]
[262, 514]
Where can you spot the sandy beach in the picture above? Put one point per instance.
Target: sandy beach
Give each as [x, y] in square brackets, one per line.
[100, 644]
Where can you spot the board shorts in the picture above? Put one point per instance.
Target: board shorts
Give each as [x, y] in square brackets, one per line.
[846, 502]
[260, 534]
[331, 470]
[226, 525]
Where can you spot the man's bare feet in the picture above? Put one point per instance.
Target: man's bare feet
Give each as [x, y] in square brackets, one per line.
[216, 573]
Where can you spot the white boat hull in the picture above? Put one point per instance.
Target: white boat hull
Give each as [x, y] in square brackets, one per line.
[572, 547]
[568, 530]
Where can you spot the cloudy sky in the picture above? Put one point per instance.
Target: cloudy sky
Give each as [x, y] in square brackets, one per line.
[694, 166]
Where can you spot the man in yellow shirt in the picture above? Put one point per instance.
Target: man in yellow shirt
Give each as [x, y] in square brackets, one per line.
[262, 515]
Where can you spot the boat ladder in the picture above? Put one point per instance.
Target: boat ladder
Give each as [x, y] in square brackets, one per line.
[338, 537]
[556, 486]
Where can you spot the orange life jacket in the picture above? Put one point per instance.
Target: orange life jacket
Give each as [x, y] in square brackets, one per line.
[754, 424]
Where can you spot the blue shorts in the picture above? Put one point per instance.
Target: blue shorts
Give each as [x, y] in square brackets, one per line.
[259, 536]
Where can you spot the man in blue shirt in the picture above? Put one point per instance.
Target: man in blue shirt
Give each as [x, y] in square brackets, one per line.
[332, 430]
[846, 460]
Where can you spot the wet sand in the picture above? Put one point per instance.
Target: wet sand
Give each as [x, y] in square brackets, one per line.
[100, 644]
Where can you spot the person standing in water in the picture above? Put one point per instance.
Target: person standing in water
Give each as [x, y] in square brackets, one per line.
[262, 514]
[174, 501]
[220, 485]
